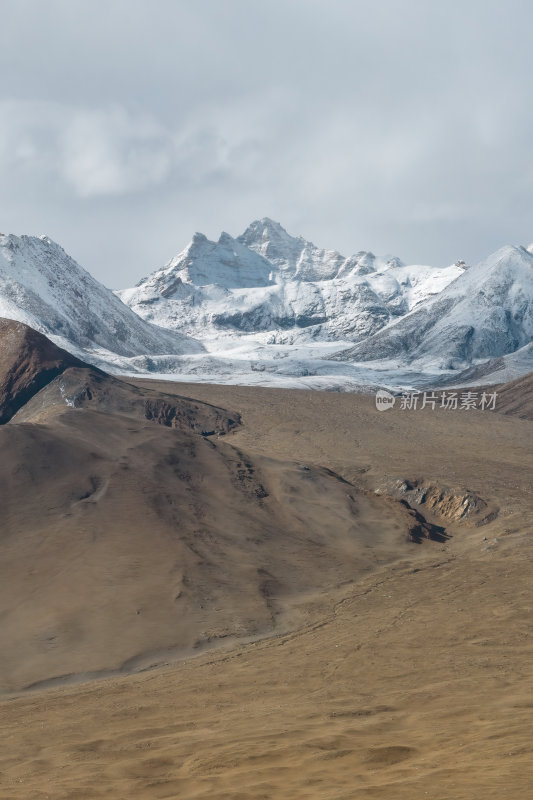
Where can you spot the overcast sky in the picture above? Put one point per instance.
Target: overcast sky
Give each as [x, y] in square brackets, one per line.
[402, 127]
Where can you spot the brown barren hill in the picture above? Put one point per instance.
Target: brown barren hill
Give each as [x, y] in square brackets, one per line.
[136, 530]
[28, 362]
[516, 397]
[319, 601]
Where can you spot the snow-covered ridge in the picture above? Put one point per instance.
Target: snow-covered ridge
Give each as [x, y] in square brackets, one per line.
[298, 259]
[42, 286]
[267, 281]
[487, 313]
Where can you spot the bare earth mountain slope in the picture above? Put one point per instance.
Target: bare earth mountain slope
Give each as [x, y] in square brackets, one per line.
[28, 362]
[352, 660]
[516, 397]
[134, 531]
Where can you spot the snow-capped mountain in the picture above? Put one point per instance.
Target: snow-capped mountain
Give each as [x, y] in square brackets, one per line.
[42, 286]
[226, 263]
[291, 256]
[273, 309]
[297, 259]
[486, 313]
[267, 281]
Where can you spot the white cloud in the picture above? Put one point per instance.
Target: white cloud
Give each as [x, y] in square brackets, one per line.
[113, 152]
[97, 152]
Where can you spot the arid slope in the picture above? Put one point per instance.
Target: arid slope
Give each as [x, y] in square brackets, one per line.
[137, 530]
[396, 670]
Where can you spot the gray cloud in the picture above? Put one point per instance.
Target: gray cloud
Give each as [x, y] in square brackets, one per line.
[401, 127]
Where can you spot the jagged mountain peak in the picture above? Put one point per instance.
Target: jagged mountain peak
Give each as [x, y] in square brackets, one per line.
[266, 228]
[226, 238]
[269, 281]
[226, 263]
[270, 240]
[296, 258]
[199, 238]
[263, 255]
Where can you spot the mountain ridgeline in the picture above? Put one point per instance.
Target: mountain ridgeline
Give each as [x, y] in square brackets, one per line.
[269, 307]
[267, 281]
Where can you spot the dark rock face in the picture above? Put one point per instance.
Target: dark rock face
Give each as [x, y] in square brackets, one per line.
[187, 415]
[28, 362]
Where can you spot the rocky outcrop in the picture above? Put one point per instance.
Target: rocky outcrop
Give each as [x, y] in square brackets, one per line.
[445, 502]
[188, 415]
